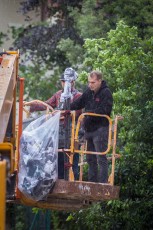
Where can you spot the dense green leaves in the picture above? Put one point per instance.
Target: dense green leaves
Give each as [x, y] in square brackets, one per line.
[60, 45]
[2, 36]
[126, 62]
[44, 81]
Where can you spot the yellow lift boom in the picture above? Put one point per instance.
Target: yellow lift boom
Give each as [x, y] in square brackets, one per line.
[8, 80]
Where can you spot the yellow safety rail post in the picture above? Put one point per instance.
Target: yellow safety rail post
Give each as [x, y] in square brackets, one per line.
[83, 150]
[7, 150]
[2, 194]
[70, 152]
[71, 175]
[114, 155]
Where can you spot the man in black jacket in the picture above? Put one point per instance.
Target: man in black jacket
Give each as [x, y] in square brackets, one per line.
[96, 99]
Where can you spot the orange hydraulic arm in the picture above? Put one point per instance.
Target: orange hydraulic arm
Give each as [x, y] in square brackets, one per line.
[8, 79]
[8, 83]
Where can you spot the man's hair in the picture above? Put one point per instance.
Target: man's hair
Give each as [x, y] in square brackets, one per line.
[97, 73]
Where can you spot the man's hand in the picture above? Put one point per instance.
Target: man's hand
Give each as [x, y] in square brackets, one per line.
[24, 102]
[65, 112]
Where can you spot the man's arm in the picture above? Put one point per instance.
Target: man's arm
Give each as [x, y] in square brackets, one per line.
[39, 107]
[78, 104]
[53, 101]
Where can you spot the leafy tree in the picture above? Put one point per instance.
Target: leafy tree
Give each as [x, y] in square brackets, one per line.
[126, 62]
[61, 45]
[96, 18]
[43, 57]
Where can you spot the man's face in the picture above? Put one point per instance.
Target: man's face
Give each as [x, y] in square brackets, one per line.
[62, 83]
[94, 83]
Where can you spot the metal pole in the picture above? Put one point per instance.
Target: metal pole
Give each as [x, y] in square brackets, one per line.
[21, 88]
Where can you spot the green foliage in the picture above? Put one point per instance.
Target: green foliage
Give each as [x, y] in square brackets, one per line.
[42, 54]
[138, 13]
[16, 31]
[19, 218]
[60, 45]
[60, 220]
[73, 52]
[2, 36]
[90, 22]
[126, 62]
[15, 217]
[43, 80]
[96, 19]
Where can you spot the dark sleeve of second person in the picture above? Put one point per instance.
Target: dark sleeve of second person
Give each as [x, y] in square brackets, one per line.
[79, 103]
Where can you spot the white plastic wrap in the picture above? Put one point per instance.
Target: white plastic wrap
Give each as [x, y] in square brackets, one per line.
[38, 157]
[69, 76]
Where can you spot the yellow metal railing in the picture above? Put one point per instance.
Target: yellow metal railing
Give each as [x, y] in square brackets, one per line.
[112, 136]
[109, 135]
[76, 147]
